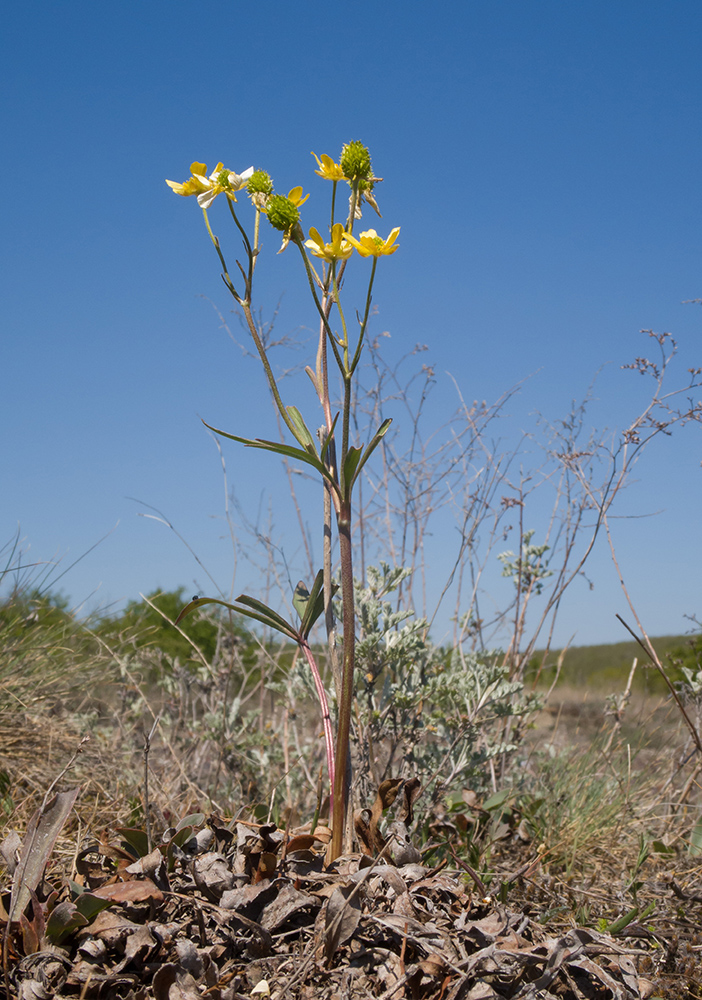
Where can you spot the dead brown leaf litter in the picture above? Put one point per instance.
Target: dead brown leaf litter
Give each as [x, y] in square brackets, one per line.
[222, 909]
[233, 908]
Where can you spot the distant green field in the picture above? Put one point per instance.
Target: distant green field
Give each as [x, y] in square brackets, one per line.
[606, 668]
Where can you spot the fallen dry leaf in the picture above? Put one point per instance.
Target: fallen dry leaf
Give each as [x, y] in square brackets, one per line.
[135, 891]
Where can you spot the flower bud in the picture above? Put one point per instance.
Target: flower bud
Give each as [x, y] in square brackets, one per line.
[260, 183]
[355, 161]
[282, 212]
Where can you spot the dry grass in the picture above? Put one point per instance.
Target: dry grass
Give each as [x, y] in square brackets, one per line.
[605, 797]
[608, 835]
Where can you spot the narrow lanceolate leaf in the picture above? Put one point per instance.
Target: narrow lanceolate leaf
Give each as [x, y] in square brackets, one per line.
[695, 847]
[353, 457]
[301, 430]
[301, 597]
[42, 831]
[328, 446]
[260, 613]
[377, 438]
[200, 602]
[315, 605]
[310, 604]
[313, 379]
[265, 614]
[286, 450]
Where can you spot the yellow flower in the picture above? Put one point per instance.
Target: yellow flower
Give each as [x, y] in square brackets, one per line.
[195, 184]
[207, 188]
[336, 250]
[329, 170]
[295, 196]
[369, 244]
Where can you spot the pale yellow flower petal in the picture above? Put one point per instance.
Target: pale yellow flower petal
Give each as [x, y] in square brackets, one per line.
[336, 250]
[329, 170]
[369, 244]
[296, 198]
[207, 188]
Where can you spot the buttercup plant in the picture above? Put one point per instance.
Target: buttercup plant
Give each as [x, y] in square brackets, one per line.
[331, 454]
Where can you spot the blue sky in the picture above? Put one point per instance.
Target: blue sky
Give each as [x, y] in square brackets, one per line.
[543, 160]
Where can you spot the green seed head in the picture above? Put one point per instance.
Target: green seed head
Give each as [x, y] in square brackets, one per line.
[356, 161]
[282, 213]
[260, 183]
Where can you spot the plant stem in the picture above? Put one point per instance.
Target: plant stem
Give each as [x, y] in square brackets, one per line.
[215, 243]
[251, 323]
[364, 324]
[341, 784]
[326, 719]
[323, 312]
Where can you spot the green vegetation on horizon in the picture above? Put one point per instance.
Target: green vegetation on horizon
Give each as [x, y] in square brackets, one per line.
[607, 665]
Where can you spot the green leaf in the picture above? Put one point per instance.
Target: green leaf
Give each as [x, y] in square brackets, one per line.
[299, 454]
[194, 819]
[497, 800]
[621, 922]
[329, 439]
[182, 836]
[301, 596]
[134, 840]
[260, 812]
[89, 905]
[315, 604]
[455, 802]
[63, 920]
[315, 608]
[355, 467]
[263, 614]
[658, 847]
[310, 604]
[313, 379]
[353, 457]
[199, 602]
[695, 848]
[303, 434]
[269, 623]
